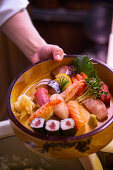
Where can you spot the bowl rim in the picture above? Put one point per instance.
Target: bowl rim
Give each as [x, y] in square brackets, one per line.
[51, 138]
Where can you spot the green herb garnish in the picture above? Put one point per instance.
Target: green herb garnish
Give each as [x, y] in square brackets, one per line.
[63, 83]
[93, 89]
[84, 64]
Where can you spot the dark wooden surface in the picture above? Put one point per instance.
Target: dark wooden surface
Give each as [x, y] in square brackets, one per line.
[69, 36]
[12, 61]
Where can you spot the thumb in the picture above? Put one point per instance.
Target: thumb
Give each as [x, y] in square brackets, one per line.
[57, 52]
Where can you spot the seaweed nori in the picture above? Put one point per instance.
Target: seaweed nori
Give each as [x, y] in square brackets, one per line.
[68, 127]
[38, 125]
[52, 127]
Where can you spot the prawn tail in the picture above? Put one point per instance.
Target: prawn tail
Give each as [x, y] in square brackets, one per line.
[70, 88]
[45, 111]
[73, 92]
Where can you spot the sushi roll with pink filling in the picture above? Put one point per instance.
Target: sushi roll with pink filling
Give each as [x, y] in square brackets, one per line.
[68, 127]
[52, 127]
[38, 125]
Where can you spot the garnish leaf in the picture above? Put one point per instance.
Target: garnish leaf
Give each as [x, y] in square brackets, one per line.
[93, 88]
[84, 64]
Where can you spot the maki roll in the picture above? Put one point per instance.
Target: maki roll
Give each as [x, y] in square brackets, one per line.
[52, 127]
[68, 127]
[38, 125]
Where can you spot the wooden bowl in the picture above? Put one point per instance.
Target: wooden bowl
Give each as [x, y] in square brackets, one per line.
[67, 148]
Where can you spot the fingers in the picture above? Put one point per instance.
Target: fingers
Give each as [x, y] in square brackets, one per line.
[57, 52]
[48, 51]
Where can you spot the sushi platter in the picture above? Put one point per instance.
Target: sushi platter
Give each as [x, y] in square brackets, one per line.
[17, 156]
[65, 111]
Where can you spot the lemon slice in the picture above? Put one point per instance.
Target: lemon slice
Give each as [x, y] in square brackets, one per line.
[58, 76]
[63, 80]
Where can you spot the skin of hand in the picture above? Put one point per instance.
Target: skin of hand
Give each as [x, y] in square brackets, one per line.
[20, 29]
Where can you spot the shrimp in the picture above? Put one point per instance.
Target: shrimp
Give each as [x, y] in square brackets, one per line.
[45, 111]
[83, 75]
[96, 107]
[41, 96]
[71, 90]
[76, 114]
[77, 78]
[60, 109]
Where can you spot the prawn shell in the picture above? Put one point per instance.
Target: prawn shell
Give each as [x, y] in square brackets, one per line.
[65, 93]
[45, 111]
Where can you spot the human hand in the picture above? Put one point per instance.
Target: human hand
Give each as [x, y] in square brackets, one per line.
[22, 32]
[47, 51]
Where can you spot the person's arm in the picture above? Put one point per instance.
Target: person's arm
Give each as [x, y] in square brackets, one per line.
[19, 28]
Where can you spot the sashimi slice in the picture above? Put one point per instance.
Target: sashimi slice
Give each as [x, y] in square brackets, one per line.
[60, 69]
[96, 107]
[41, 96]
[76, 114]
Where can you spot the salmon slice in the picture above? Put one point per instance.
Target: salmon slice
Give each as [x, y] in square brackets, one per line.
[76, 114]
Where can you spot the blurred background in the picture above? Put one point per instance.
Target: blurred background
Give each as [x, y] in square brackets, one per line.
[77, 26]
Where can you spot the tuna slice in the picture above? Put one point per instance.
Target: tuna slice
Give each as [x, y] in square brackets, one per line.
[41, 96]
